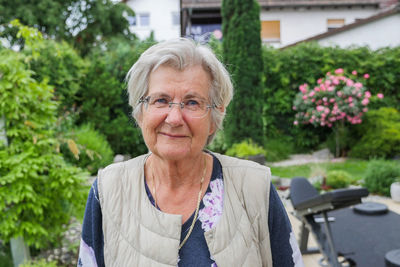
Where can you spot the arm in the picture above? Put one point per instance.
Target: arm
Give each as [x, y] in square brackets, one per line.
[284, 247]
[92, 243]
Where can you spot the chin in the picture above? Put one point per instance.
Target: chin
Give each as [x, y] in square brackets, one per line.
[174, 154]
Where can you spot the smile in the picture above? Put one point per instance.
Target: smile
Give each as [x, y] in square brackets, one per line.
[173, 135]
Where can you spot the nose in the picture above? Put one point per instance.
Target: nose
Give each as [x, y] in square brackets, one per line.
[175, 116]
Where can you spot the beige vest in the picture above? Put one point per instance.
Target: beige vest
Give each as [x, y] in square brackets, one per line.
[138, 234]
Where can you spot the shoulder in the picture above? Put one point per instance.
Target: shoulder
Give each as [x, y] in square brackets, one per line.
[117, 177]
[244, 169]
[119, 170]
[250, 181]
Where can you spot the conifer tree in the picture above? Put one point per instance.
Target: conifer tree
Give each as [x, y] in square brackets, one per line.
[243, 57]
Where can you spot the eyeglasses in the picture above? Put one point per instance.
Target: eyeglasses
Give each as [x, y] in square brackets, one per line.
[193, 107]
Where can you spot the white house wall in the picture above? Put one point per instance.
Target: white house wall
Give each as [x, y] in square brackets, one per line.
[296, 25]
[161, 17]
[376, 34]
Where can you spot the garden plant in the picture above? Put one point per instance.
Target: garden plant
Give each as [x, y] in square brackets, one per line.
[335, 100]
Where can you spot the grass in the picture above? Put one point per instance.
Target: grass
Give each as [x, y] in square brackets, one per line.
[356, 168]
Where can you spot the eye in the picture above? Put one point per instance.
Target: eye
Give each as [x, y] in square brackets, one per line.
[159, 101]
[192, 103]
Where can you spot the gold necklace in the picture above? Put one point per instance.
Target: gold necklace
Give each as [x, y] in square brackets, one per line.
[198, 203]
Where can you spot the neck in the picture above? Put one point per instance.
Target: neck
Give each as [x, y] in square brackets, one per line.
[176, 174]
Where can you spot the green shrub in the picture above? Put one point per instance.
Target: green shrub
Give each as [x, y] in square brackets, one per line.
[92, 150]
[245, 149]
[380, 134]
[338, 179]
[278, 148]
[64, 69]
[285, 70]
[103, 99]
[380, 174]
[218, 144]
[39, 191]
[39, 263]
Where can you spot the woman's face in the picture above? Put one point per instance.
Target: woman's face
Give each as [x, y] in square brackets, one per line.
[174, 135]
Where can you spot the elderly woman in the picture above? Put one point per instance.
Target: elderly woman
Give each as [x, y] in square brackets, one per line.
[181, 204]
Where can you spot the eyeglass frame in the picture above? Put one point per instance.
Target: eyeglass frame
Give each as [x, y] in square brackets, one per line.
[145, 100]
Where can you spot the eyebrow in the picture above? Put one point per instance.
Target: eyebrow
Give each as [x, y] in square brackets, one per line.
[194, 95]
[187, 96]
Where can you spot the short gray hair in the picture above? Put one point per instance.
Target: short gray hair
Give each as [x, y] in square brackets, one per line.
[180, 54]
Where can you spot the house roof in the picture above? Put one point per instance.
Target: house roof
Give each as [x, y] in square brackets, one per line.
[288, 3]
[392, 11]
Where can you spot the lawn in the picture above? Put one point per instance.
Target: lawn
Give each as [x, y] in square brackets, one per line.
[356, 168]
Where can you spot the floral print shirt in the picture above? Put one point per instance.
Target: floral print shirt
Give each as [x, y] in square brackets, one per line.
[195, 252]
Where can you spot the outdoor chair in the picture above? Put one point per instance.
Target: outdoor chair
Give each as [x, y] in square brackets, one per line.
[347, 234]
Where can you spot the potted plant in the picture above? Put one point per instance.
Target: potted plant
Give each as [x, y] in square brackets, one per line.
[395, 190]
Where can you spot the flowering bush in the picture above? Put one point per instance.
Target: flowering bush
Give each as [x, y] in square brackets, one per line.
[335, 98]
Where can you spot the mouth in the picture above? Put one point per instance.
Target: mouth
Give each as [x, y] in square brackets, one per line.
[173, 135]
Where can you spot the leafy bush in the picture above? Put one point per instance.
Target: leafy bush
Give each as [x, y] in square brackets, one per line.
[338, 179]
[380, 174]
[380, 135]
[103, 99]
[62, 66]
[91, 150]
[245, 149]
[218, 144]
[39, 263]
[278, 148]
[39, 191]
[285, 70]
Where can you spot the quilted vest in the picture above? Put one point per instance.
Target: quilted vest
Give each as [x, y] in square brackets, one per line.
[138, 234]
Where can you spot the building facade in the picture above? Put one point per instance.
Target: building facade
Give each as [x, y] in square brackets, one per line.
[162, 17]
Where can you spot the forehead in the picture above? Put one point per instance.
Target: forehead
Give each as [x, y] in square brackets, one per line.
[192, 80]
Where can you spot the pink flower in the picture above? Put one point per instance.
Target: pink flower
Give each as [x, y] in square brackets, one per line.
[365, 109]
[338, 71]
[351, 105]
[358, 85]
[319, 81]
[332, 100]
[349, 82]
[367, 94]
[354, 72]
[304, 97]
[295, 122]
[294, 108]
[320, 108]
[380, 95]
[350, 99]
[365, 101]
[339, 94]
[311, 94]
[366, 75]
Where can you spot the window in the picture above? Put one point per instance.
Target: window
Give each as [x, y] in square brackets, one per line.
[334, 23]
[176, 20]
[271, 31]
[131, 20]
[144, 19]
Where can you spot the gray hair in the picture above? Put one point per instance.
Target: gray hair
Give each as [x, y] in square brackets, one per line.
[180, 54]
